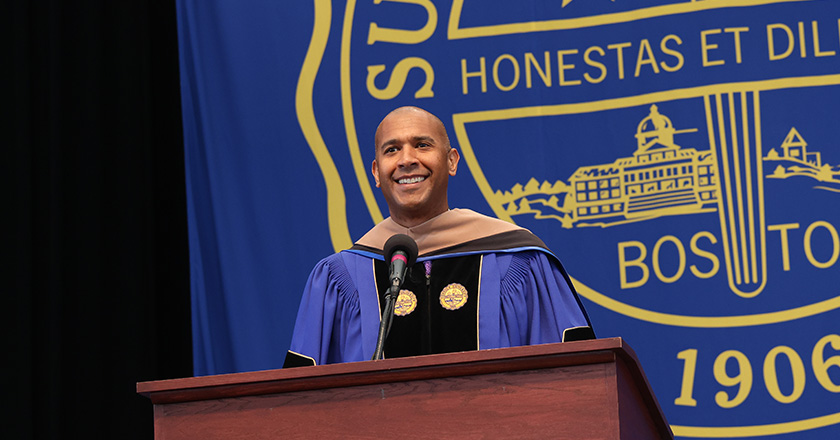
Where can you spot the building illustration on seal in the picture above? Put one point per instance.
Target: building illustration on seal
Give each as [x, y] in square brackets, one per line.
[660, 178]
[796, 160]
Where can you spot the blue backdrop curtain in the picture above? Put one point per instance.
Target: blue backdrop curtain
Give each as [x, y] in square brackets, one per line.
[679, 156]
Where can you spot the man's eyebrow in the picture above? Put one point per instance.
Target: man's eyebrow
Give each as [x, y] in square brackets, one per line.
[388, 143]
[395, 141]
[423, 138]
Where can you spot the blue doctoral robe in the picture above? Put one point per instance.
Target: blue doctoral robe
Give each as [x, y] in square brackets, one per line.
[526, 298]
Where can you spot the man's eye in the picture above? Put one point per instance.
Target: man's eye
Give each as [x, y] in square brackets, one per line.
[423, 145]
[391, 150]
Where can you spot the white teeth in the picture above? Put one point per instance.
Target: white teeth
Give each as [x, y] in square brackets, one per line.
[412, 180]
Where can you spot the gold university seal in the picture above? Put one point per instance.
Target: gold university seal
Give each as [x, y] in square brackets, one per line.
[406, 303]
[453, 296]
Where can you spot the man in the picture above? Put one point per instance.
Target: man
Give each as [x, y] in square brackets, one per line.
[478, 283]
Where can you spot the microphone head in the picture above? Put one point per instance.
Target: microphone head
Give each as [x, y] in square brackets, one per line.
[400, 242]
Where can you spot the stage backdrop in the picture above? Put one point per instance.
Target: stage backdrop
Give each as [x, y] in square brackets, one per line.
[681, 157]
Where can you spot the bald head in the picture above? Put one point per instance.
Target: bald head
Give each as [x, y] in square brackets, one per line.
[410, 112]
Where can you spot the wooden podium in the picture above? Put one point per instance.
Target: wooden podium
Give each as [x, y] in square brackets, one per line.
[575, 390]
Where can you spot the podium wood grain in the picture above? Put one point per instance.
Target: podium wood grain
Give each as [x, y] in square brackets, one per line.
[576, 390]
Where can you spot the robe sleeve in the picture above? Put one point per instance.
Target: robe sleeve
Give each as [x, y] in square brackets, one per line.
[538, 303]
[328, 324]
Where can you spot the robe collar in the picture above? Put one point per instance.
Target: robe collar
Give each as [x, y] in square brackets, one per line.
[449, 229]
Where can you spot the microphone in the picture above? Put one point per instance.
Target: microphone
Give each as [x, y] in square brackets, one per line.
[400, 252]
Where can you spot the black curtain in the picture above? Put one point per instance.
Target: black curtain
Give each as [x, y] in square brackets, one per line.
[99, 275]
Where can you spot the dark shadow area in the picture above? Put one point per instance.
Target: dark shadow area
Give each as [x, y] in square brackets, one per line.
[99, 274]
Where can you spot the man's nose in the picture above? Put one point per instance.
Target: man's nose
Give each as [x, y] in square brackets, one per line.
[408, 156]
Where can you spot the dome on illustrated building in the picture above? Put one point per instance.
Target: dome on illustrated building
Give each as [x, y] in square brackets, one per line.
[655, 121]
[655, 131]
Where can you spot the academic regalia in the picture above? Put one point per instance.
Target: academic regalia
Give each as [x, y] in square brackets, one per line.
[478, 283]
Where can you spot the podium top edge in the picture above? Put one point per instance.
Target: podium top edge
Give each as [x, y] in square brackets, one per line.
[578, 349]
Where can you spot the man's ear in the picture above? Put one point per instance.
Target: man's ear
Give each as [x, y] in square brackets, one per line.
[453, 157]
[374, 169]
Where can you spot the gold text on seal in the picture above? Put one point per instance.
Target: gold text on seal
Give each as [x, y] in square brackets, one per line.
[453, 296]
[406, 303]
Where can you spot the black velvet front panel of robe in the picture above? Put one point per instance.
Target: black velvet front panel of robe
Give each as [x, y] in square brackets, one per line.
[431, 328]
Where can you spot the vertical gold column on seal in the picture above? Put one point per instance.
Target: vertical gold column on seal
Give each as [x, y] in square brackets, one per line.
[734, 126]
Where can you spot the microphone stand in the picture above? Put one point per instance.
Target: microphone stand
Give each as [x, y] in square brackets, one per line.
[387, 318]
[401, 251]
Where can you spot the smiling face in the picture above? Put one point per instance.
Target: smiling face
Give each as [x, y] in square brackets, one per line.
[413, 164]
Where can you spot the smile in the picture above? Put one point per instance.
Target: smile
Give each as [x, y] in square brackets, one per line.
[411, 180]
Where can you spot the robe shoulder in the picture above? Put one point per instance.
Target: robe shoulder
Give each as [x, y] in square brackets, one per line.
[328, 328]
